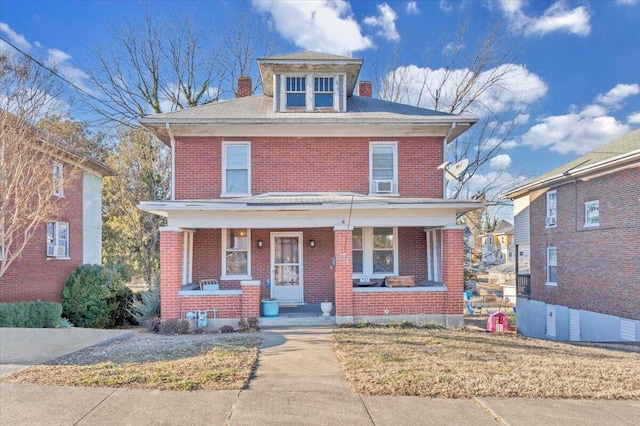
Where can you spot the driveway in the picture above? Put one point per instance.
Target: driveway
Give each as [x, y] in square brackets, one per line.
[23, 347]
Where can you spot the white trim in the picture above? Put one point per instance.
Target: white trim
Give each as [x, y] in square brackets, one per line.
[223, 190]
[272, 238]
[551, 221]
[187, 257]
[546, 268]
[372, 182]
[586, 211]
[223, 269]
[53, 247]
[550, 321]
[367, 253]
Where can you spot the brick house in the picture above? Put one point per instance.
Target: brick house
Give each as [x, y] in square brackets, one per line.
[580, 224]
[320, 191]
[58, 247]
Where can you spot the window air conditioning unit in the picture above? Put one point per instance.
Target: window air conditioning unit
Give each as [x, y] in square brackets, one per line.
[551, 221]
[383, 186]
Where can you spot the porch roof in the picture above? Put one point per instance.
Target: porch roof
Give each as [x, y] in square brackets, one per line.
[327, 206]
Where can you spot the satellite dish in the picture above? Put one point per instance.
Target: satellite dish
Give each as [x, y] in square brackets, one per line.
[455, 171]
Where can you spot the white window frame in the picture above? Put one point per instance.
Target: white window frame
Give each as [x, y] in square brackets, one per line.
[58, 183]
[187, 257]
[367, 254]
[587, 206]
[548, 208]
[54, 243]
[547, 265]
[372, 183]
[224, 239]
[224, 192]
[305, 93]
[324, 92]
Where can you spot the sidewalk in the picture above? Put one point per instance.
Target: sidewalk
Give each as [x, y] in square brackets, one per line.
[297, 381]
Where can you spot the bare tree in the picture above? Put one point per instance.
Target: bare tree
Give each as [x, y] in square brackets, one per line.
[467, 84]
[153, 66]
[27, 155]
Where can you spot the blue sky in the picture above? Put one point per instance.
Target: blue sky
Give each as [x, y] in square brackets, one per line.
[578, 86]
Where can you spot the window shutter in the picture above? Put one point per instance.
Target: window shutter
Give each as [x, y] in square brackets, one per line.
[277, 96]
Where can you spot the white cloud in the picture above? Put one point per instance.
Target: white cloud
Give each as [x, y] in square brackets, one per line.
[59, 60]
[321, 25]
[17, 39]
[500, 162]
[634, 118]
[445, 6]
[616, 95]
[558, 17]
[517, 88]
[412, 8]
[386, 21]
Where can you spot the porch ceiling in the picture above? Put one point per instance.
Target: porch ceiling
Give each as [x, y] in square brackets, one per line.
[310, 210]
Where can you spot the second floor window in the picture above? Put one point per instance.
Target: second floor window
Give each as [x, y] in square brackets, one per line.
[383, 168]
[323, 92]
[296, 92]
[552, 266]
[592, 213]
[58, 239]
[58, 184]
[552, 209]
[236, 168]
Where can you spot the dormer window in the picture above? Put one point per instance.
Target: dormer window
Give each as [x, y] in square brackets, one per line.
[296, 92]
[323, 92]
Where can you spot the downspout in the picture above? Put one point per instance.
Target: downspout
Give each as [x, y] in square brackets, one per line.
[173, 160]
[444, 155]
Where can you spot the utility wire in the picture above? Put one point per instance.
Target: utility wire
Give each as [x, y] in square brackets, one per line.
[55, 73]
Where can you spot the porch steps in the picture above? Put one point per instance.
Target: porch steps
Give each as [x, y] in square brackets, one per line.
[286, 321]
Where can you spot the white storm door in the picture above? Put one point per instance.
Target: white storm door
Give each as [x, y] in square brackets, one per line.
[286, 266]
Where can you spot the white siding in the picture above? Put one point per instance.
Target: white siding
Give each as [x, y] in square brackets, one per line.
[91, 218]
[521, 217]
[574, 325]
[627, 330]
[551, 321]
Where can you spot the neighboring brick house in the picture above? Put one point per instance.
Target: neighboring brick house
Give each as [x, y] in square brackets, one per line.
[57, 248]
[314, 189]
[581, 225]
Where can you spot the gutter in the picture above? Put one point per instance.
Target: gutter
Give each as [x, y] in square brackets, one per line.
[173, 160]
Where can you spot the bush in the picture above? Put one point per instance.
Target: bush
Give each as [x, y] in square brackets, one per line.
[146, 305]
[30, 314]
[96, 296]
[226, 329]
[174, 326]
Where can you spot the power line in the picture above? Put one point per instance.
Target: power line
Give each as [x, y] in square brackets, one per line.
[55, 73]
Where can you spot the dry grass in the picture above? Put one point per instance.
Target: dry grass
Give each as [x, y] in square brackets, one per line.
[151, 361]
[464, 364]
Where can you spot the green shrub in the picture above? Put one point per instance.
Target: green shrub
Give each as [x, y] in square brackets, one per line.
[30, 314]
[96, 296]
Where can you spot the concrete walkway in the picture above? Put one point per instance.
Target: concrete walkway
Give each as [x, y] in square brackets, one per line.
[297, 382]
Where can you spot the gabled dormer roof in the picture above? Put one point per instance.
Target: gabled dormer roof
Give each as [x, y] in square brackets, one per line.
[308, 62]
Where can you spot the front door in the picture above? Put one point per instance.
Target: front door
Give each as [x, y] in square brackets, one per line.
[286, 266]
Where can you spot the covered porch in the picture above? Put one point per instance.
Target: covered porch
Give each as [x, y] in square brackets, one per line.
[311, 249]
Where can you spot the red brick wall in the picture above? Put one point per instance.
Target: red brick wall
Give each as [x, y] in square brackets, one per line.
[34, 277]
[399, 303]
[307, 164]
[227, 306]
[343, 244]
[598, 267]
[412, 252]
[453, 268]
[170, 273]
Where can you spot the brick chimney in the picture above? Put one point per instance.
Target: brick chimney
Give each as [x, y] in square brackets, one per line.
[244, 86]
[364, 89]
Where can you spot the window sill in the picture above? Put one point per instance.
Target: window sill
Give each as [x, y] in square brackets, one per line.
[551, 284]
[235, 278]
[58, 258]
[384, 194]
[235, 195]
[591, 225]
[551, 226]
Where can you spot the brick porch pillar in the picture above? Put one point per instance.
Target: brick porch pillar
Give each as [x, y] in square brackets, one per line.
[343, 273]
[170, 271]
[453, 268]
[250, 298]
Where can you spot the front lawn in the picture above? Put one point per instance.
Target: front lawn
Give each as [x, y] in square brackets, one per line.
[448, 363]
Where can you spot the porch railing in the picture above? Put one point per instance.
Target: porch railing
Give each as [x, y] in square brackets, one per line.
[523, 283]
